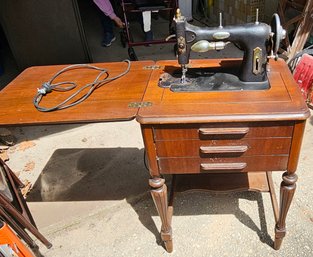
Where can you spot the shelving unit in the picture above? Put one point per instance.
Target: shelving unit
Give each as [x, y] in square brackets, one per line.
[298, 27]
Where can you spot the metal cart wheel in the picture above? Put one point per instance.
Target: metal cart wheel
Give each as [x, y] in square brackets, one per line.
[132, 55]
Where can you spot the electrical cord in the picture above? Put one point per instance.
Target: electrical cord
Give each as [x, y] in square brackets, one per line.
[49, 86]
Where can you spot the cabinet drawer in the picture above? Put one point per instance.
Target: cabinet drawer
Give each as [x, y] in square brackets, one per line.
[225, 147]
[212, 165]
[222, 130]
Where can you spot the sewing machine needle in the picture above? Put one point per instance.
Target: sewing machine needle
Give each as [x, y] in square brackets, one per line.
[183, 77]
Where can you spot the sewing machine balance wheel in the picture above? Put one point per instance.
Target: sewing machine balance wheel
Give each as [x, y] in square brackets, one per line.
[278, 33]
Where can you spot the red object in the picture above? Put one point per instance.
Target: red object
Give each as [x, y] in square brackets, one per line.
[8, 237]
[303, 75]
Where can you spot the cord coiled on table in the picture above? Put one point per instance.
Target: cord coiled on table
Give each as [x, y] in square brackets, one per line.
[49, 86]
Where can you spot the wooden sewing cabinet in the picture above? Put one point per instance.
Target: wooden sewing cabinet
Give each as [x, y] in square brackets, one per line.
[224, 141]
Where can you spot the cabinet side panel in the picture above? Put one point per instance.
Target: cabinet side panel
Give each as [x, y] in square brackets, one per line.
[148, 139]
[296, 146]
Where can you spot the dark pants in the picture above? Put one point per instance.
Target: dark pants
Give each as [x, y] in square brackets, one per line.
[106, 22]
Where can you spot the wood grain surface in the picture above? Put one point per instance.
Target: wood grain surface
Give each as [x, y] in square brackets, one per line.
[283, 101]
[108, 102]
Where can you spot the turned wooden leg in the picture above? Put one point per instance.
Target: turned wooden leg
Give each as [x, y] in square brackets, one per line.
[159, 195]
[287, 190]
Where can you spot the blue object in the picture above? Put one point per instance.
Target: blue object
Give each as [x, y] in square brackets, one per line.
[149, 36]
[108, 38]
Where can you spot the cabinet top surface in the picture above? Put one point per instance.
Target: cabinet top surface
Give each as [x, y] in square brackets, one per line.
[109, 102]
[113, 101]
[282, 101]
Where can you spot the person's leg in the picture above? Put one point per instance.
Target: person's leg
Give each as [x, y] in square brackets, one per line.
[145, 22]
[146, 17]
[108, 33]
[107, 23]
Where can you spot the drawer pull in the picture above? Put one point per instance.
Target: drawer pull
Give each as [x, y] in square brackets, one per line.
[223, 149]
[223, 166]
[223, 131]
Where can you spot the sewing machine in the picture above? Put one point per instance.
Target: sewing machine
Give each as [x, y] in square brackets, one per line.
[259, 42]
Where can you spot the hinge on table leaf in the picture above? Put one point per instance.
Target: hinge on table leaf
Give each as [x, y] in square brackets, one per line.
[139, 104]
[152, 67]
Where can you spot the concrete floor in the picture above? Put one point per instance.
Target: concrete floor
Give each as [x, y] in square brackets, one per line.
[90, 193]
[90, 198]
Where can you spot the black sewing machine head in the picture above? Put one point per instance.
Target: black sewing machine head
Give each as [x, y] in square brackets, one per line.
[258, 41]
